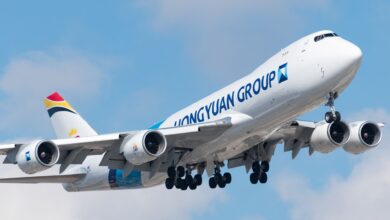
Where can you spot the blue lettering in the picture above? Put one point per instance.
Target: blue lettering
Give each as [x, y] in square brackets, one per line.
[248, 88]
[215, 108]
[193, 118]
[256, 86]
[241, 94]
[272, 76]
[186, 120]
[208, 109]
[200, 116]
[230, 100]
[264, 87]
[222, 105]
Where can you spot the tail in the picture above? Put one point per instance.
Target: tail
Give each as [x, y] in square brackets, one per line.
[66, 121]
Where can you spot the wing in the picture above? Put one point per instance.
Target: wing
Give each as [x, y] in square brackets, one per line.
[65, 178]
[295, 136]
[75, 150]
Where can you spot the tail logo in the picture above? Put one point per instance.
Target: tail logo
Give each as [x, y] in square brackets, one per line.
[73, 133]
[55, 103]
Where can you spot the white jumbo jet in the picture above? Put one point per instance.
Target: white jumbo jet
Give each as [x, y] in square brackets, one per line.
[239, 125]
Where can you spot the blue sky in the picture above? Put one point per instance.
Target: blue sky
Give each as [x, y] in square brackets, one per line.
[125, 65]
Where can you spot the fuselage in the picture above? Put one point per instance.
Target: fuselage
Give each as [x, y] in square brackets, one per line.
[290, 83]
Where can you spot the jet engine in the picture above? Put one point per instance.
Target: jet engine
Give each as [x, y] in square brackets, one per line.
[364, 136]
[37, 156]
[143, 147]
[327, 137]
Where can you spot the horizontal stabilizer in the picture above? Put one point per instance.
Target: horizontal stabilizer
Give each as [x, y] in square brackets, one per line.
[67, 178]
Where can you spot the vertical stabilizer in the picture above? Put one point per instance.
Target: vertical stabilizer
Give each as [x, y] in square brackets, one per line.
[66, 121]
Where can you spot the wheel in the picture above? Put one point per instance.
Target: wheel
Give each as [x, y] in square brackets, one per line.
[169, 183]
[263, 178]
[338, 116]
[265, 166]
[218, 177]
[254, 178]
[198, 179]
[192, 186]
[222, 184]
[184, 186]
[189, 180]
[329, 117]
[171, 172]
[256, 167]
[227, 178]
[178, 183]
[212, 183]
[181, 171]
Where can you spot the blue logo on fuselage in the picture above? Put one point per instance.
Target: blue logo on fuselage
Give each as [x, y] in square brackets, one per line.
[228, 101]
[282, 73]
[28, 157]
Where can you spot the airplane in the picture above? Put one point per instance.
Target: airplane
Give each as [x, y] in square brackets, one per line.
[238, 126]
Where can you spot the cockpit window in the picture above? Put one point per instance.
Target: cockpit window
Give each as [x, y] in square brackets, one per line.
[322, 36]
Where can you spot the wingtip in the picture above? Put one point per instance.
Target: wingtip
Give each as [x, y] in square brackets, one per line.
[55, 97]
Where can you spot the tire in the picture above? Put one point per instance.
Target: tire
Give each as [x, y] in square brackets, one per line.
[193, 186]
[212, 183]
[256, 167]
[169, 183]
[189, 180]
[184, 186]
[265, 166]
[222, 184]
[329, 117]
[227, 178]
[181, 171]
[198, 179]
[254, 178]
[178, 183]
[218, 178]
[171, 172]
[338, 116]
[263, 178]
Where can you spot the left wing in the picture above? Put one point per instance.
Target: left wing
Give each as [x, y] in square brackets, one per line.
[75, 150]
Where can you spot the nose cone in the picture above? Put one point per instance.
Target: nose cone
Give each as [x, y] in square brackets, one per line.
[353, 54]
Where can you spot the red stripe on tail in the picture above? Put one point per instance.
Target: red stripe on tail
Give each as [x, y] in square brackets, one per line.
[55, 97]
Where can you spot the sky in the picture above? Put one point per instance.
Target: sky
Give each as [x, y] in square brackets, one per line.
[125, 65]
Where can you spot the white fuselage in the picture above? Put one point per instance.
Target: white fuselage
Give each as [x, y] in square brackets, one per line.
[290, 83]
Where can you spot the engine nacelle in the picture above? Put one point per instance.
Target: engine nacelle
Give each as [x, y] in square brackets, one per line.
[364, 136]
[37, 156]
[143, 147]
[327, 137]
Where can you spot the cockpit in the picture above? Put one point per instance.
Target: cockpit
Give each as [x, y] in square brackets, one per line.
[323, 36]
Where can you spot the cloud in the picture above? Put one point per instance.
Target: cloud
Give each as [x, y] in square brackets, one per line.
[363, 194]
[230, 38]
[33, 75]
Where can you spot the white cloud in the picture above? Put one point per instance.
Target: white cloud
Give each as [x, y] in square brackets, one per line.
[229, 38]
[30, 77]
[363, 194]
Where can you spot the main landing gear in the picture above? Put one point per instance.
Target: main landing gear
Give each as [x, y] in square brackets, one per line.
[218, 179]
[259, 172]
[182, 179]
[332, 115]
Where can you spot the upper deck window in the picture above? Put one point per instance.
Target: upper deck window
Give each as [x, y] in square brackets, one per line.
[322, 36]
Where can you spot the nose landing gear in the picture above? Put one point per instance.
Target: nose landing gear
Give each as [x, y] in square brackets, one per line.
[332, 115]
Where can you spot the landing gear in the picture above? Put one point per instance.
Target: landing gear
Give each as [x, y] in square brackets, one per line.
[332, 115]
[259, 172]
[219, 180]
[180, 178]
